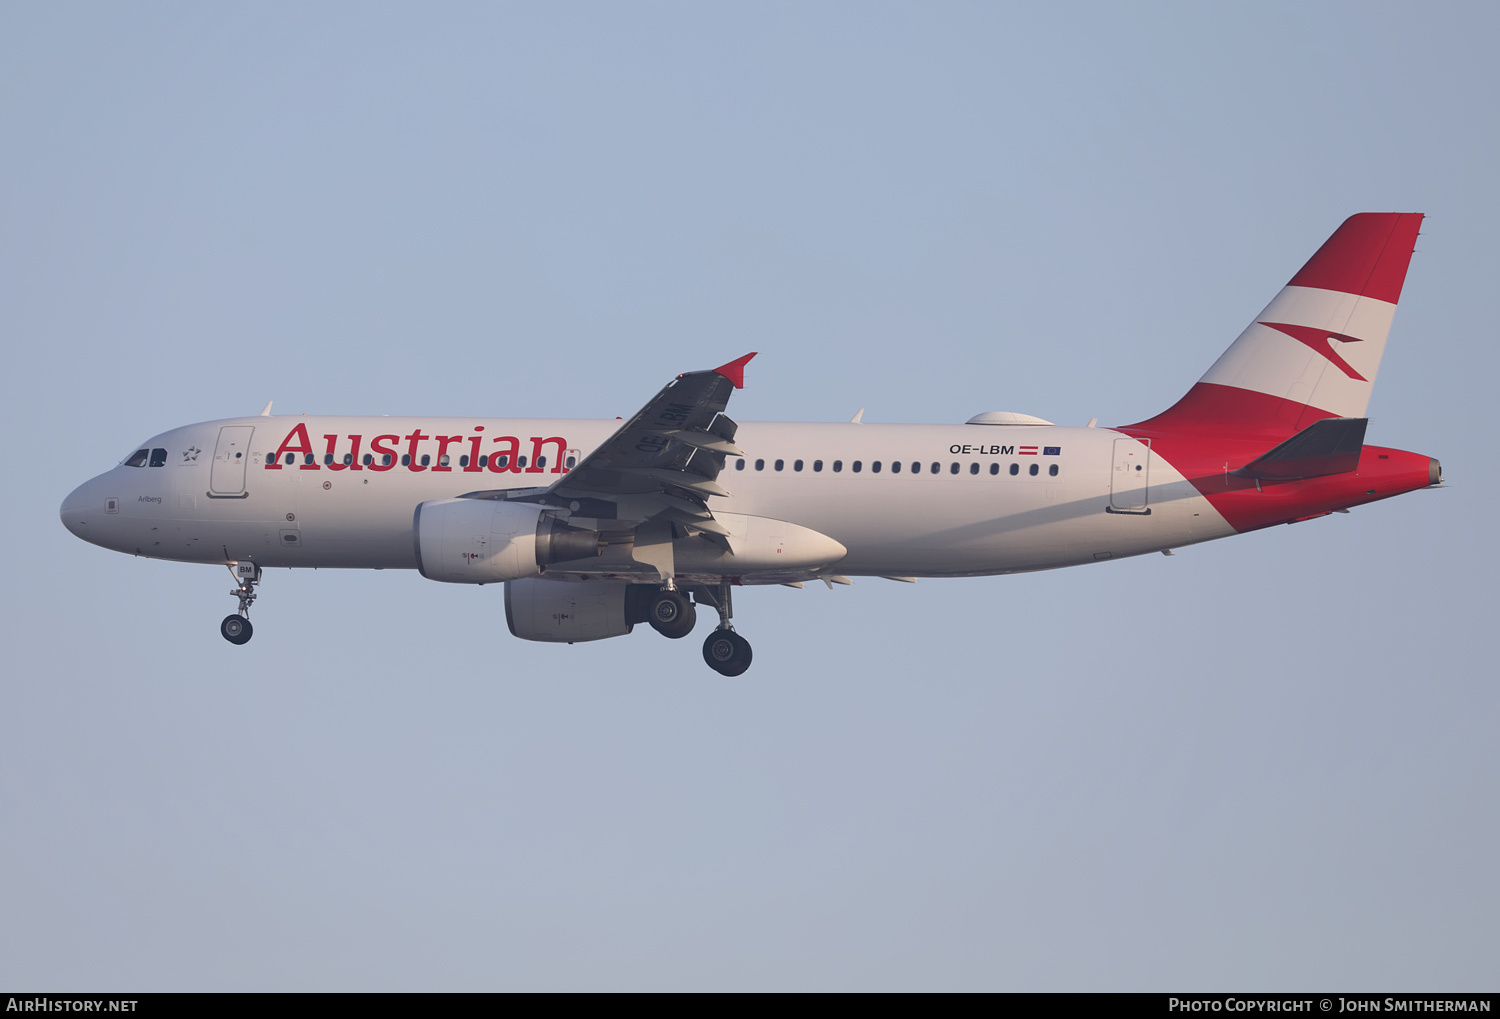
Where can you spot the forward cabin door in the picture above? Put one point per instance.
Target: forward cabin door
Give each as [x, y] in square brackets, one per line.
[1129, 484]
[231, 456]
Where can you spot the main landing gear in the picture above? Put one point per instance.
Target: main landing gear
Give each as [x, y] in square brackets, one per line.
[725, 651]
[236, 628]
[672, 614]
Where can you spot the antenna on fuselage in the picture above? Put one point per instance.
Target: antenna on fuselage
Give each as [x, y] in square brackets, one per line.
[857, 415]
[266, 411]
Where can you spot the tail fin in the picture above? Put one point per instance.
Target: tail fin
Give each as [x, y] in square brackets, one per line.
[1313, 353]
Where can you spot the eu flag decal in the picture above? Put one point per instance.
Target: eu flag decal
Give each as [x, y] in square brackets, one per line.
[1051, 451]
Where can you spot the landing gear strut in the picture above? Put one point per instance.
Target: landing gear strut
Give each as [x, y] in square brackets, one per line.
[236, 628]
[725, 651]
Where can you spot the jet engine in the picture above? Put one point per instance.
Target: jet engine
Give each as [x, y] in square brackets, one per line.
[559, 611]
[483, 541]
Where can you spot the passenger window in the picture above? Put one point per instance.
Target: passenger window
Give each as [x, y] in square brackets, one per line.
[838, 465]
[953, 469]
[463, 461]
[895, 466]
[1052, 470]
[572, 462]
[796, 465]
[405, 459]
[327, 459]
[817, 466]
[856, 466]
[739, 465]
[426, 459]
[138, 458]
[541, 461]
[916, 468]
[348, 459]
[1015, 469]
[973, 468]
[385, 458]
[367, 459]
[309, 460]
[291, 458]
[159, 457]
[1033, 471]
[875, 467]
[760, 465]
[520, 461]
[936, 467]
[502, 459]
[484, 461]
[994, 468]
[780, 464]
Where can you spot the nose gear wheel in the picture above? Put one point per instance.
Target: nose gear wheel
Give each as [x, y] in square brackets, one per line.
[236, 628]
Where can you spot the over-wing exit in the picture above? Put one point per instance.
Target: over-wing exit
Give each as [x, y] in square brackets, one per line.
[594, 526]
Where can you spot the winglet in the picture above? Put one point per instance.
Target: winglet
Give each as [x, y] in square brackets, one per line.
[734, 371]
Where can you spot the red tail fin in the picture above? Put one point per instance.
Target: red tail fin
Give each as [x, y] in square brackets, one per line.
[1314, 352]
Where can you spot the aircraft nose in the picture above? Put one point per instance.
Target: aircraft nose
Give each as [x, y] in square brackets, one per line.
[79, 510]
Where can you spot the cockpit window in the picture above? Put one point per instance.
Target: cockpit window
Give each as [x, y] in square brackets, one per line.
[137, 459]
[158, 457]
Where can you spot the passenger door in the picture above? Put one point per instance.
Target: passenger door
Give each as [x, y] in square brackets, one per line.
[227, 477]
[1130, 481]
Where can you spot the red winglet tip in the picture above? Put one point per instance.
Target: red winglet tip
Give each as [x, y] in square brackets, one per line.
[734, 371]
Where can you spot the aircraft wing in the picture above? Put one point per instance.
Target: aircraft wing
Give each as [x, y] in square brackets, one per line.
[673, 448]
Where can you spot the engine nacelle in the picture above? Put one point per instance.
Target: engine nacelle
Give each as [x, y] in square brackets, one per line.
[484, 541]
[560, 611]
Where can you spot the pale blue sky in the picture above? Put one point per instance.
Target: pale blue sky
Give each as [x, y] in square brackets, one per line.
[1265, 763]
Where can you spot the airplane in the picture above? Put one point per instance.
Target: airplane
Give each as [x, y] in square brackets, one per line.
[594, 526]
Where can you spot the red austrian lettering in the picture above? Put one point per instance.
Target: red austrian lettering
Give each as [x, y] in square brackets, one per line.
[383, 457]
[296, 441]
[537, 443]
[506, 460]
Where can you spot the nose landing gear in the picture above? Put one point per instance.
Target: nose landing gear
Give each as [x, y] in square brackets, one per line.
[236, 628]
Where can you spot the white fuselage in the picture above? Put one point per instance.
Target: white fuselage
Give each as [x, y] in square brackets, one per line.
[953, 508]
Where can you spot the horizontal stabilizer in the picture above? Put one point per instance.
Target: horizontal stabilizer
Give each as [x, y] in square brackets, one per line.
[1329, 446]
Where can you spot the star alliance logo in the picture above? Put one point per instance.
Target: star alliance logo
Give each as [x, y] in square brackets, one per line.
[190, 454]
